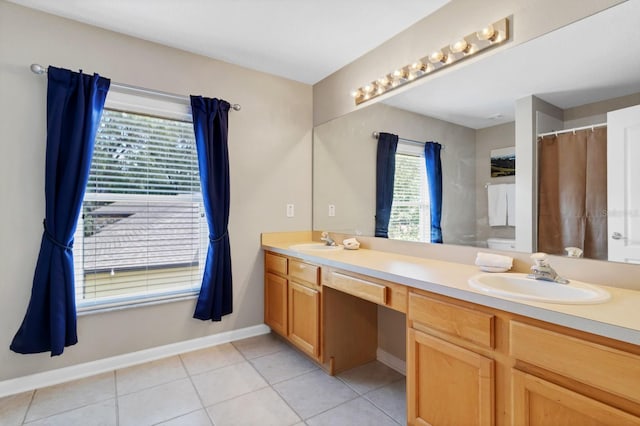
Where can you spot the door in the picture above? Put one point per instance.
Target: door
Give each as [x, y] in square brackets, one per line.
[275, 303]
[538, 402]
[447, 384]
[304, 318]
[623, 184]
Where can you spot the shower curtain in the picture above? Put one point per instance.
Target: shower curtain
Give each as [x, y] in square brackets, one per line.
[572, 192]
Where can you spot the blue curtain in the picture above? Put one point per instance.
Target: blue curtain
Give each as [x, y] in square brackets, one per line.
[385, 173]
[434, 177]
[74, 106]
[210, 122]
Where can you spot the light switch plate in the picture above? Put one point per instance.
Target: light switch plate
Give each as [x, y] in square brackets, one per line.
[290, 210]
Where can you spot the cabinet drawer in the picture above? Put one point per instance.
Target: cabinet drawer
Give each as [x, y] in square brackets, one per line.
[304, 272]
[596, 365]
[474, 326]
[275, 263]
[363, 289]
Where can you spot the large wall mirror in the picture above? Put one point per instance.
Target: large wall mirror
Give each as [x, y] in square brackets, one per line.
[580, 73]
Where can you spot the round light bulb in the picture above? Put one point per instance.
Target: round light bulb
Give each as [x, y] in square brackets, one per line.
[368, 88]
[383, 81]
[437, 56]
[487, 33]
[460, 46]
[355, 93]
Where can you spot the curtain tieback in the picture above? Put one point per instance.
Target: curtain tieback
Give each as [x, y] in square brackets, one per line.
[220, 238]
[51, 238]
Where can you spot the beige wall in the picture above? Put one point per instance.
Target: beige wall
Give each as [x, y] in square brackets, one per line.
[345, 170]
[270, 141]
[487, 139]
[531, 18]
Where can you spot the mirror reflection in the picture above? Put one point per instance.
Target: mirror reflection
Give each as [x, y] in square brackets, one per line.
[478, 112]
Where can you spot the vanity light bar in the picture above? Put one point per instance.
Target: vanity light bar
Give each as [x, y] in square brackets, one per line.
[472, 44]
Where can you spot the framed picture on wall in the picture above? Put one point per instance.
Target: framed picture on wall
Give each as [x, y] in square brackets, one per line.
[503, 162]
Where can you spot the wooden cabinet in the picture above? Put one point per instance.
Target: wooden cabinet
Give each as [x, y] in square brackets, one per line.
[275, 303]
[304, 318]
[292, 301]
[467, 364]
[569, 380]
[448, 383]
[537, 402]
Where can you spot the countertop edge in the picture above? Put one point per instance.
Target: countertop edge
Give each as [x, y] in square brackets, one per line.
[588, 325]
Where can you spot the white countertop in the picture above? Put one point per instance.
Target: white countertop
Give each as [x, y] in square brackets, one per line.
[618, 318]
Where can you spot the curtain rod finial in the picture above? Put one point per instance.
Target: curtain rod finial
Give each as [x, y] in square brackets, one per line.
[236, 107]
[37, 69]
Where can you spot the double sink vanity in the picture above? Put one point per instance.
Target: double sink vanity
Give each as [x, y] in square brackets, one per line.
[482, 349]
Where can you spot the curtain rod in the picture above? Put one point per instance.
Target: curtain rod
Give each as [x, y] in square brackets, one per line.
[39, 69]
[574, 130]
[375, 135]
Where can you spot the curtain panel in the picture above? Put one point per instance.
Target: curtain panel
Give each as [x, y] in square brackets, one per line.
[434, 180]
[74, 106]
[572, 192]
[385, 174]
[210, 123]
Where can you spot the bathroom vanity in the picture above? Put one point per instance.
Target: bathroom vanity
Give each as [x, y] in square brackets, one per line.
[471, 358]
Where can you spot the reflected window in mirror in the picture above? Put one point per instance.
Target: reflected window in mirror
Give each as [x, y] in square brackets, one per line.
[410, 215]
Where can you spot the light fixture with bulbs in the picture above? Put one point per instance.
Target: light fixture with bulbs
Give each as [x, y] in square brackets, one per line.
[470, 45]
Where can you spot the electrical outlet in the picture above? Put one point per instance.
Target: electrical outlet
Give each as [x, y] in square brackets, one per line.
[290, 210]
[332, 210]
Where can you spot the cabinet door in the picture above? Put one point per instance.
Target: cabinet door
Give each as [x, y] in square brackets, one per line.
[304, 318]
[275, 303]
[447, 384]
[539, 402]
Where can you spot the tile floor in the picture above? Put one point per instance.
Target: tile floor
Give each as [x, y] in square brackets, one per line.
[256, 381]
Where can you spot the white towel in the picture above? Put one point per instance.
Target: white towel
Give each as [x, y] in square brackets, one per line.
[497, 205]
[494, 260]
[511, 204]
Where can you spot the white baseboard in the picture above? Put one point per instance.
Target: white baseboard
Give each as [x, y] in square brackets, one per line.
[79, 371]
[391, 361]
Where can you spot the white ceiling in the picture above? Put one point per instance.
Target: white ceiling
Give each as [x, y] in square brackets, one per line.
[595, 59]
[303, 40]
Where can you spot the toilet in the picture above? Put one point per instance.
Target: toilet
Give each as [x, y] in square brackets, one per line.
[501, 244]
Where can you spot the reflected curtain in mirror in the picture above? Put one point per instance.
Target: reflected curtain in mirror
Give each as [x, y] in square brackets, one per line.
[572, 192]
[434, 180]
[385, 173]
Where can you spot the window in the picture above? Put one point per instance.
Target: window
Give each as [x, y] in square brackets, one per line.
[142, 235]
[410, 216]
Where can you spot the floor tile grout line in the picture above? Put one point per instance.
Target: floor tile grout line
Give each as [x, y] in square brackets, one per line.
[24, 416]
[67, 411]
[180, 415]
[380, 408]
[195, 388]
[70, 409]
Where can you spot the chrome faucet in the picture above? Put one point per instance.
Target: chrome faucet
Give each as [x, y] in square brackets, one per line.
[542, 270]
[327, 239]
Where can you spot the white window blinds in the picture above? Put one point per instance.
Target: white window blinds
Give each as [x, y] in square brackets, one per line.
[410, 216]
[142, 234]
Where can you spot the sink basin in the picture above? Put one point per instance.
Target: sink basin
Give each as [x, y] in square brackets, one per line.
[518, 286]
[314, 247]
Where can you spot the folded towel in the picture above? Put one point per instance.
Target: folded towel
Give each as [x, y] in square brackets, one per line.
[494, 260]
[511, 204]
[497, 205]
